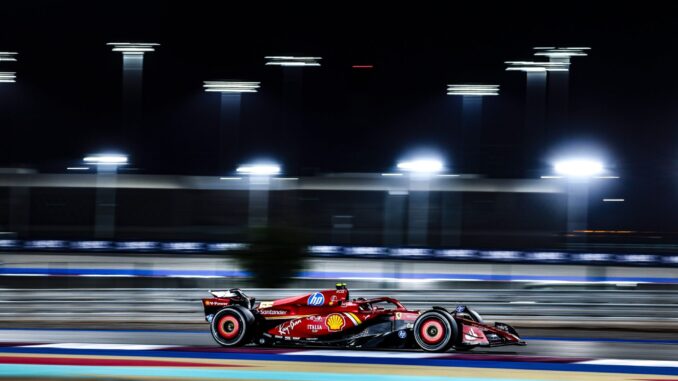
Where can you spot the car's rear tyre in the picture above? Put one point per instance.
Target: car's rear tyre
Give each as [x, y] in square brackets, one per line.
[232, 326]
[435, 331]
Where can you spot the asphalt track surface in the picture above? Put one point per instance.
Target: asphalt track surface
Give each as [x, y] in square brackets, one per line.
[192, 354]
[552, 344]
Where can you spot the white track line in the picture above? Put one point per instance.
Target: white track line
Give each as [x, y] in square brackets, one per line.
[375, 354]
[127, 347]
[653, 363]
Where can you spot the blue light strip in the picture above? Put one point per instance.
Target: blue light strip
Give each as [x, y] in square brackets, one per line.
[376, 252]
[368, 275]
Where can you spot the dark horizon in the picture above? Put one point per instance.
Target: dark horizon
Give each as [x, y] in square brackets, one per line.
[67, 99]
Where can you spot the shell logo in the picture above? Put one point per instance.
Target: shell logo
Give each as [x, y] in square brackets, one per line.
[335, 322]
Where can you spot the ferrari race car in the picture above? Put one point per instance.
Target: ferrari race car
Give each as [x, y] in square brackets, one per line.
[330, 318]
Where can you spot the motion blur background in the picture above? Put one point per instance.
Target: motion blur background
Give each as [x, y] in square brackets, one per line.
[497, 226]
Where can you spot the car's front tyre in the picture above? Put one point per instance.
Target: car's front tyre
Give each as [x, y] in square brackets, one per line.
[435, 331]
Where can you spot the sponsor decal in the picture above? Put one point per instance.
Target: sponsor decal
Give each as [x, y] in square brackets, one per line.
[273, 312]
[137, 245]
[402, 334]
[91, 245]
[398, 315]
[342, 291]
[365, 250]
[315, 318]
[8, 243]
[183, 246]
[265, 304]
[324, 249]
[547, 256]
[335, 322]
[314, 327]
[410, 252]
[333, 299]
[452, 253]
[354, 318]
[593, 257]
[639, 258]
[216, 303]
[226, 246]
[285, 328]
[316, 299]
[45, 244]
[473, 336]
[502, 255]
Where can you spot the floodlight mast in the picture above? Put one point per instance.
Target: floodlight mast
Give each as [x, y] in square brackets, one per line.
[107, 165]
[420, 172]
[132, 80]
[259, 174]
[578, 171]
[230, 104]
[292, 123]
[558, 87]
[535, 104]
[7, 77]
[468, 144]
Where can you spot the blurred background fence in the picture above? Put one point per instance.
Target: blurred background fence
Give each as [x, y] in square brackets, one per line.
[600, 309]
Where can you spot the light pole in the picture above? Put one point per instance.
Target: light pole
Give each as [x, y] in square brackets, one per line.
[229, 116]
[292, 113]
[18, 197]
[6, 156]
[472, 95]
[132, 75]
[420, 170]
[259, 185]
[107, 167]
[558, 86]
[535, 103]
[578, 172]
[7, 77]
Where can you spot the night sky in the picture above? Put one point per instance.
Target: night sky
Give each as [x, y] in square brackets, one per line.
[67, 101]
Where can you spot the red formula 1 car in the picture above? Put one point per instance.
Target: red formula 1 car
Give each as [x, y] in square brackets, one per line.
[331, 318]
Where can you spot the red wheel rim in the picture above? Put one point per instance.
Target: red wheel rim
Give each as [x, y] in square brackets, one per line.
[432, 331]
[228, 327]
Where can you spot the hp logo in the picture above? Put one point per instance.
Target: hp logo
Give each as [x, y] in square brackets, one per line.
[316, 299]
